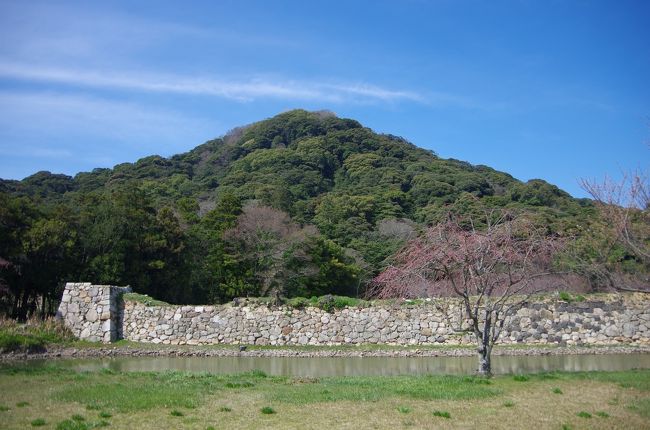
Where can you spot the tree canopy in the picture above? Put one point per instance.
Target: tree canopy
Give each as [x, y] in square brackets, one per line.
[180, 227]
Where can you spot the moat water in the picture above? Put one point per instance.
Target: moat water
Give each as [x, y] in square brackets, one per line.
[366, 366]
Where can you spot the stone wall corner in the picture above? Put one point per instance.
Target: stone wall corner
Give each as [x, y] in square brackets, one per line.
[92, 312]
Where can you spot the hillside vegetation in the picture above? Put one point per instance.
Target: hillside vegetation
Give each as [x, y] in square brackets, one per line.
[302, 204]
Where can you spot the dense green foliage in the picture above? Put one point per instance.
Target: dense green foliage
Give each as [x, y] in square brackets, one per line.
[301, 204]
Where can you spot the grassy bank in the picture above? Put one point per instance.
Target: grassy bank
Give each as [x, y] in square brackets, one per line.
[59, 398]
[33, 336]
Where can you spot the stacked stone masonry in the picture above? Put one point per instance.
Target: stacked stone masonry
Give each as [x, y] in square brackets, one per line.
[93, 312]
[601, 320]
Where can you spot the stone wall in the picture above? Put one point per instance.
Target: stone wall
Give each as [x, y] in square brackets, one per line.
[92, 312]
[96, 313]
[603, 319]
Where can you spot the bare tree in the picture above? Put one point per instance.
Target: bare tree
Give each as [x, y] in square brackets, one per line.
[492, 270]
[400, 229]
[624, 207]
[267, 238]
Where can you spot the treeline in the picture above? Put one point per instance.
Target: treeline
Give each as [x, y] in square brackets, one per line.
[120, 238]
[301, 204]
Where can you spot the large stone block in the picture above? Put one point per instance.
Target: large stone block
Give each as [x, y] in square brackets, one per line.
[91, 315]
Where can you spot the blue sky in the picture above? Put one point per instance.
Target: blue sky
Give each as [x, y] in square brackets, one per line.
[558, 90]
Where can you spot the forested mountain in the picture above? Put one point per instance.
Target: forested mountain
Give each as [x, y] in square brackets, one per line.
[304, 203]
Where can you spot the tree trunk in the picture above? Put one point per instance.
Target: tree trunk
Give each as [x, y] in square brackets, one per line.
[484, 360]
[484, 344]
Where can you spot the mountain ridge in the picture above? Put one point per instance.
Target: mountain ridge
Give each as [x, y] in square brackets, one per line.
[206, 165]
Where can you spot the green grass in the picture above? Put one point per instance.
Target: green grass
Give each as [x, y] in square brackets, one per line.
[328, 302]
[144, 299]
[4, 408]
[267, 410]
[641, 407]
[433, 387]
[38, 422]
[125, 392]
[124, 395]
[32, 336]
[73, 425]
[556, 390]
[22, 404]
[583, 414]
[138, 391]
[237, 384]
[637, 379]
[521, 378]
[568, 297]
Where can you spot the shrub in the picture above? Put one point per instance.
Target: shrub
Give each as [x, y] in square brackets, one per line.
[326, 303]
[329, 302]
[298, 302]
[583, 414]
[567, 297]
[340, 302]
[22, 404]
[442, 414]
[38, 422]
[267, 410]
[176, 413]
[508, 403]
[556, 390]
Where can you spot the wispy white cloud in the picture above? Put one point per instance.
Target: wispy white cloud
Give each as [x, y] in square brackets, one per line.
[113, 50]
[241, 90]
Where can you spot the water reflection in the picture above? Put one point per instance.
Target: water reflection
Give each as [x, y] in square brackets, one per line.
[368, 366]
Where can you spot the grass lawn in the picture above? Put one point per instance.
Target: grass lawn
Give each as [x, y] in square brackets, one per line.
[52, 397]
